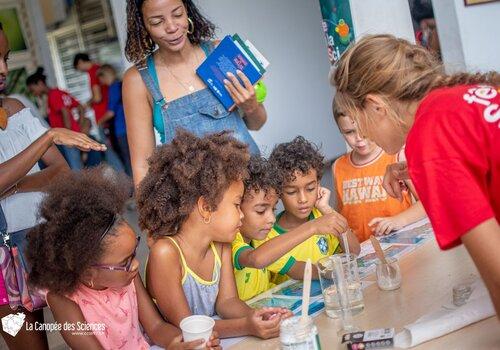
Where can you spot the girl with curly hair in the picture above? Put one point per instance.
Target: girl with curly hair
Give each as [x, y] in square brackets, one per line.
[189, 203]
[262, 189]
[84, 255]
[24, 141]
[398, 93]
[167, 40]
[305, 201]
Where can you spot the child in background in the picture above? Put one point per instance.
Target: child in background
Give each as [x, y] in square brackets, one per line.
[262, 188]
[189, 203]
[108, 77]
[301, 166]
[83, 254]
[358, 177]
[63, 111]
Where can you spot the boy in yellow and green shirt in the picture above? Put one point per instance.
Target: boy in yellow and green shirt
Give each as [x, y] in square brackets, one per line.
[250, 263]
[305, 201]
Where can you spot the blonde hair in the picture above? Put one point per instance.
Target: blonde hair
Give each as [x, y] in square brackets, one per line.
[395, 70]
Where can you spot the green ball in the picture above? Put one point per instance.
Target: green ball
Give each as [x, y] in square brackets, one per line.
[260, 91]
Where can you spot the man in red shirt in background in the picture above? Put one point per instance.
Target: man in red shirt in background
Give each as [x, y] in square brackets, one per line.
[63, 111]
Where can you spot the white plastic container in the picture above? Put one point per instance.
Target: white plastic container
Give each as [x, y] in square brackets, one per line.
[197, 327]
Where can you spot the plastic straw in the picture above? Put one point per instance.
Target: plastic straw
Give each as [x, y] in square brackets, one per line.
[306, 292]
[343, 294]
[346, 243]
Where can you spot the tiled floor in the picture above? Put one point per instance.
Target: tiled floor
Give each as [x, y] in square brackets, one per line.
[55, 340]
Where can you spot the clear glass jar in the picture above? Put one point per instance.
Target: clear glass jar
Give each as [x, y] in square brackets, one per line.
[388, 275]
[296, 334]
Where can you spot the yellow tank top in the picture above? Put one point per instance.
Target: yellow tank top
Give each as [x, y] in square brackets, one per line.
[360, 195]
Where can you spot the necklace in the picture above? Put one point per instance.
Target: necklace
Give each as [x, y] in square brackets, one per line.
[188, 87]
[3, 116]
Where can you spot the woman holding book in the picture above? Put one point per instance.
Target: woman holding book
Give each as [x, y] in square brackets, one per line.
[162, 91]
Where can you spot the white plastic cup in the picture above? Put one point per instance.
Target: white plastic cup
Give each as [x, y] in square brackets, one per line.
[197, 327]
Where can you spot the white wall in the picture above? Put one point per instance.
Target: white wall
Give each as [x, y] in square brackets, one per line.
[289, 34]
[479, 29]
[41, 43]
[119, 10]
[387, 16]
[468, 35]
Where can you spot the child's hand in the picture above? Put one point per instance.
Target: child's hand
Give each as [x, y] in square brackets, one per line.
[265, 323]
[323, 201]
[384, 226]
[178, 344]
[275, 312]
[214, 341]
[333, 223]
[285, 313]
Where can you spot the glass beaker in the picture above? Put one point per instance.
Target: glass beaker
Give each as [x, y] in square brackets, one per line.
[328, 284]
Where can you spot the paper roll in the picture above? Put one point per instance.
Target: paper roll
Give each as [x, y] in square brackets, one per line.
[445, 321]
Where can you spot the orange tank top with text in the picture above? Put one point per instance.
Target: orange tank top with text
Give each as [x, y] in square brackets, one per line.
[360, 195]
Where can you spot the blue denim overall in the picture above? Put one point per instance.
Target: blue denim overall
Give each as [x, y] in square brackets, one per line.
[200, 112]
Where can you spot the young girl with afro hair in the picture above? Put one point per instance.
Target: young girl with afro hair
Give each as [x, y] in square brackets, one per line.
[84, 254]
[189, 203]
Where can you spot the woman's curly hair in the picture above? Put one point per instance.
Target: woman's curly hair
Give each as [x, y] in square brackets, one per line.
[77, 210]
[139, 43]
[262, 176]
[183, 171]
[298, 155]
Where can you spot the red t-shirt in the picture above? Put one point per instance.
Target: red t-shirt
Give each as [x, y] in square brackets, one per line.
[101, 107]
[57, 100]
[453, 153]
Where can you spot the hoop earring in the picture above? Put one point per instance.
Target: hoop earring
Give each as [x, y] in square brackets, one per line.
[207, 220]
[91, 283]
[151, 42]
[190, 23]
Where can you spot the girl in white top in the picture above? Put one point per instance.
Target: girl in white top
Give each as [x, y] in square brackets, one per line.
[23, 142]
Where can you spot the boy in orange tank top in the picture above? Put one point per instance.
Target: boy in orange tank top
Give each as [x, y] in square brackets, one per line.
[358, 177]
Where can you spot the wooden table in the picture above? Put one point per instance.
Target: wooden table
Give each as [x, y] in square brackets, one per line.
[428, 277]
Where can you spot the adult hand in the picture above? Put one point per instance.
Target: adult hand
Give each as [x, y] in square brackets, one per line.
[65, 137]
[243, 95]
[395, 174]
[384, 226]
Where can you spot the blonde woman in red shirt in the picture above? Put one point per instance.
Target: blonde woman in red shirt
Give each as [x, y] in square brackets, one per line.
[398, 93]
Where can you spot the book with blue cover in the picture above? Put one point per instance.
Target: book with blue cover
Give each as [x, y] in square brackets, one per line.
[230, 55]
[289, 295]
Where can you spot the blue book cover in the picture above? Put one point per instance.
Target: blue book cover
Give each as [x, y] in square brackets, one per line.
[226, 57]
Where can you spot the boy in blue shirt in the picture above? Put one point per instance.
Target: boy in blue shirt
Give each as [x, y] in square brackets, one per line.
[107, 76]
